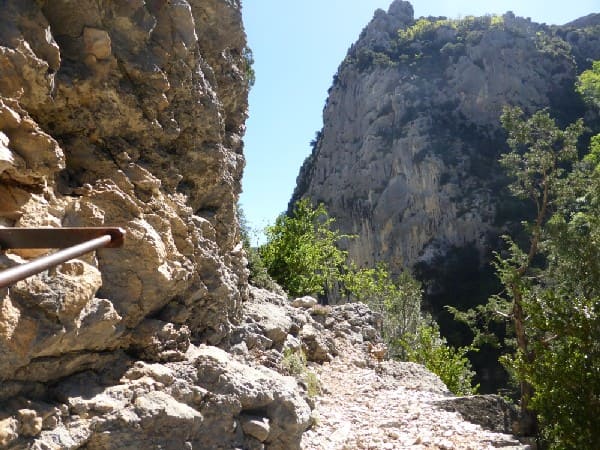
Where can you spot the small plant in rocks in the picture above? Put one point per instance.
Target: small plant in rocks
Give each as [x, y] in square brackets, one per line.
[294, 363]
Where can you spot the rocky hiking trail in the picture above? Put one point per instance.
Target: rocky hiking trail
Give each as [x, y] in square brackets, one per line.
[367, 404]
[196, 396]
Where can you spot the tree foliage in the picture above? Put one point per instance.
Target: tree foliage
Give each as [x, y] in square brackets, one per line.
[563, 310]
[539, 153]
[564, 306]
[426, 346]
[301, 252]
[588, 84]
[551, 295]
[397, 300]
[248, 66]
[424, 28]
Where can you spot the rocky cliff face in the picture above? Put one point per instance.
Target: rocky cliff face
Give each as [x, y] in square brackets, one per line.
[131, 114]
[124, 113]
[407, 157]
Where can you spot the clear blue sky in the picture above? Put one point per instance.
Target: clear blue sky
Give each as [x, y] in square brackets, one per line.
[297, 47]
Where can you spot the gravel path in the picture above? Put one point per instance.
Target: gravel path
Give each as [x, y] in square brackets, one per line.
[389, 405]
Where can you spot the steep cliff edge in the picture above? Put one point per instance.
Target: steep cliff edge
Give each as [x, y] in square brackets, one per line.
[407, 157]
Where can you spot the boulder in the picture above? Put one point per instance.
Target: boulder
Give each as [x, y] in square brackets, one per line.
[490, 411]
[304, 302]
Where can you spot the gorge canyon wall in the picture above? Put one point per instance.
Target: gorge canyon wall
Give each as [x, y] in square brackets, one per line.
[131, 114]
[126, 114]
[407, 157]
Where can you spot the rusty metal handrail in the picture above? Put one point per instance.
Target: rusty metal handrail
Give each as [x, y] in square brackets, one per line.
[74, 242]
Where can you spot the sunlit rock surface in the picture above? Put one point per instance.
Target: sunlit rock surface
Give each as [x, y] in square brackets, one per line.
[407, 157]
[131, 114]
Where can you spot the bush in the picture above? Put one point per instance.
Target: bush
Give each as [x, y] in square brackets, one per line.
[301, 252]
[427, 347]
[294, 363]
[258, 275]
[398, 301]
[422, 29]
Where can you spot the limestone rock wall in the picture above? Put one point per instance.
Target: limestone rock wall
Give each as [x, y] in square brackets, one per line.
[196, 396]
[407, 157]
[131, 114]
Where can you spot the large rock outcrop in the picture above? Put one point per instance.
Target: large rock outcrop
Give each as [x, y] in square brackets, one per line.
[124, 113]
[131, 114]
[206, 398]
[407, 157]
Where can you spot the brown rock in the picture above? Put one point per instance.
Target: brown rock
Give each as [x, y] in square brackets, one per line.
[8, 430]
[151, 143]
[30, 423]
[96, 43]
[154, 340]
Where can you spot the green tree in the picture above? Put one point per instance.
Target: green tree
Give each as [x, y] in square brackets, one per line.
[539, 152]
[564, 305]
[397, 300]
[301, 252]
[588, 84]
[564, 312]
[551, 293]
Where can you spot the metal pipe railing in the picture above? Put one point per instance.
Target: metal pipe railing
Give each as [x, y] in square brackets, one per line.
[47, 237]
[78, 241]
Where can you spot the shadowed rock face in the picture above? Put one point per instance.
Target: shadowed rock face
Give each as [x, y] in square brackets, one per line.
[407, 157]
[125, 113]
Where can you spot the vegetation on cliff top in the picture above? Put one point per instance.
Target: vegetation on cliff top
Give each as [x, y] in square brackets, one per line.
[432, 36]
